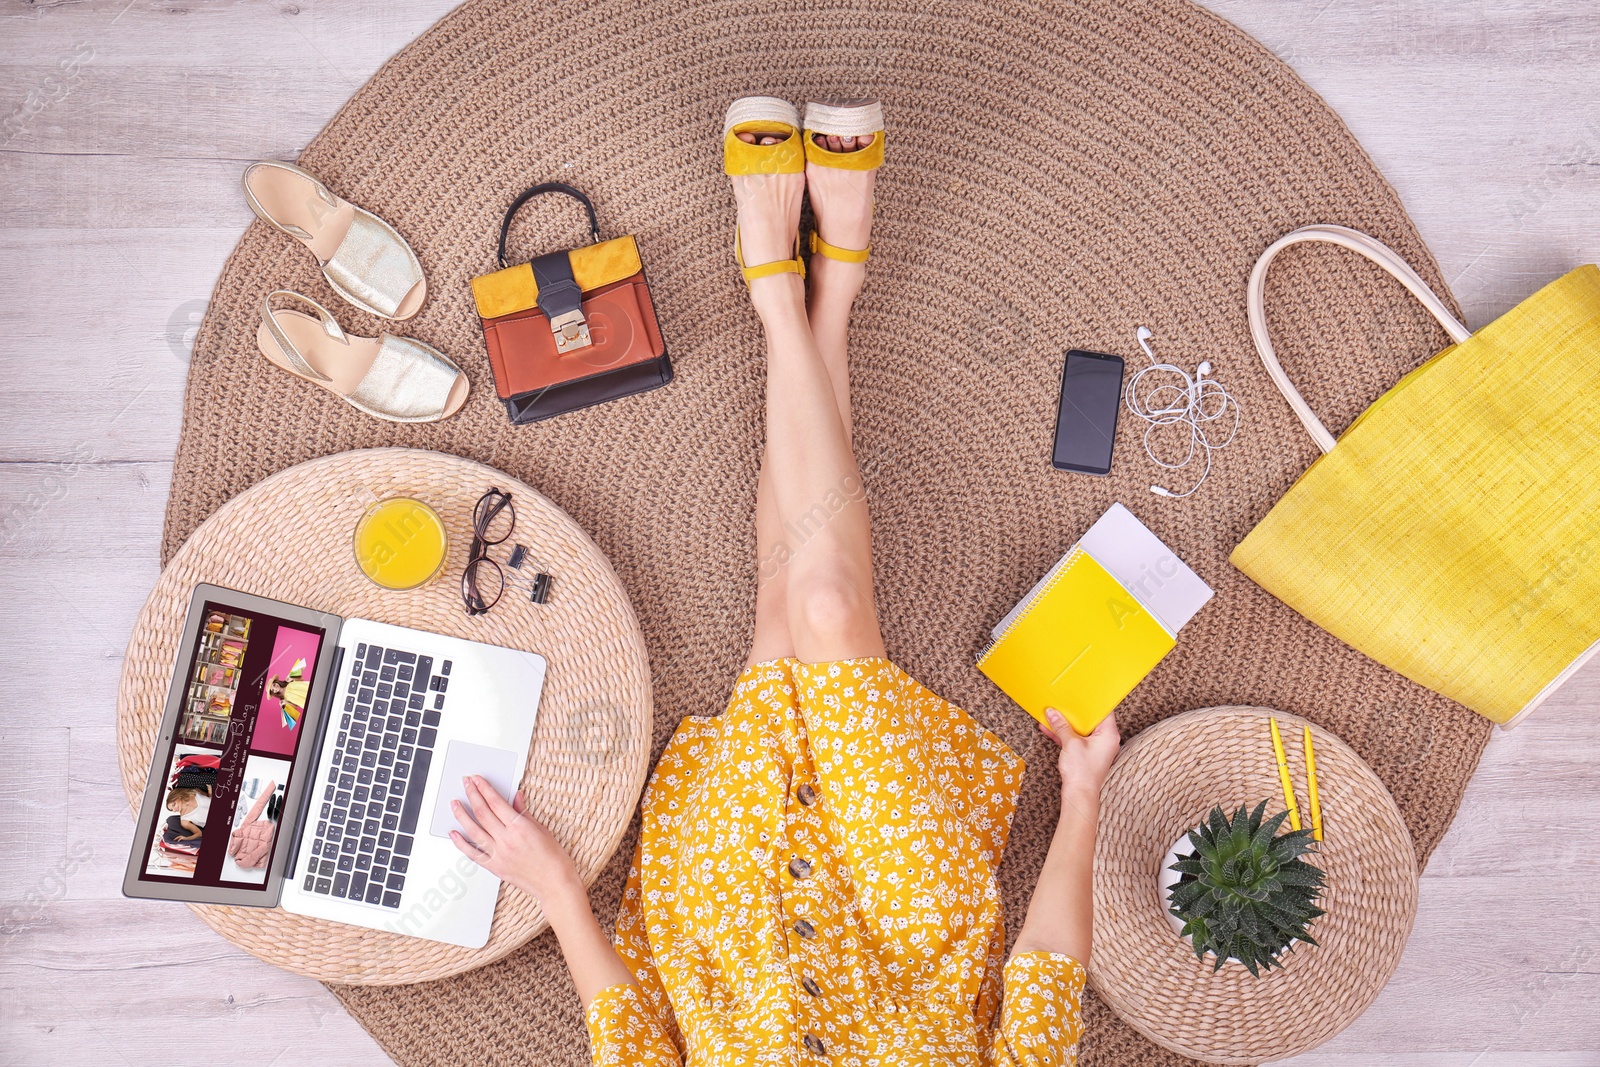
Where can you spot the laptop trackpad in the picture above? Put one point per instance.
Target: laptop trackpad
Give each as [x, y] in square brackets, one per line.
[462, 758]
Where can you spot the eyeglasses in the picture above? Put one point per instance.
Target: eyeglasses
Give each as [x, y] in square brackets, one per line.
[483, 581]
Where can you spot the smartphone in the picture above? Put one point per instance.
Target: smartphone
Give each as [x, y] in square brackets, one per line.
[1086, 418]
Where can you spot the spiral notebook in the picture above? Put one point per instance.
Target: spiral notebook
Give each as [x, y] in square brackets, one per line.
[1096, 624]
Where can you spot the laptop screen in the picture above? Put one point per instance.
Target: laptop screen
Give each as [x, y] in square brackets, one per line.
[237, 749]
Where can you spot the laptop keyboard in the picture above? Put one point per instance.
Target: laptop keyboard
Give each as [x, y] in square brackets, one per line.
[367, 821]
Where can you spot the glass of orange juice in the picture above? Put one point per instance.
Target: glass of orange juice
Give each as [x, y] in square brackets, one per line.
[400, 543]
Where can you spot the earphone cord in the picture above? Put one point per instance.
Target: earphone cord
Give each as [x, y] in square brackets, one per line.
[1199, 401]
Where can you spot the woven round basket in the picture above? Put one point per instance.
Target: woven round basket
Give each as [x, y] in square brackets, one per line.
[1165, 782]
[1060, 172]
[289, 538]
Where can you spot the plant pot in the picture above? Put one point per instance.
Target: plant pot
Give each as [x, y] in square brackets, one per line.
[1167, 878]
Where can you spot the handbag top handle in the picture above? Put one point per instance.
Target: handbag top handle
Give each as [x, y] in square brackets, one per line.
[537, 190]
[1356, 241]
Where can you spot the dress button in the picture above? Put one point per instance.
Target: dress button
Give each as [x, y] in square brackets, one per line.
[814, 1043]
[805, 929]
[799, 868]
[811, 986]
[807, 795]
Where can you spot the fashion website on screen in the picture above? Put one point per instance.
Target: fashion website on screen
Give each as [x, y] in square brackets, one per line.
[235, 752]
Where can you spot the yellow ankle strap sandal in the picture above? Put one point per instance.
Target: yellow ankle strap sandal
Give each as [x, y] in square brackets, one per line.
[763, 115]
[844, 120]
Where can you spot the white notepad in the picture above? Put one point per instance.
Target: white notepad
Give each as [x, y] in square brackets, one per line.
[1138, 559]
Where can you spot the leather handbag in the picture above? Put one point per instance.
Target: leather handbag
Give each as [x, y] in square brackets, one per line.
[570, 329]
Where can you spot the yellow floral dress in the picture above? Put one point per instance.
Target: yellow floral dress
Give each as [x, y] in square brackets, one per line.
[815, 884]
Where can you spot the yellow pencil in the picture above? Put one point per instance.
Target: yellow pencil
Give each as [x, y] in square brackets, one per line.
[1283, 775]
[1311, 787]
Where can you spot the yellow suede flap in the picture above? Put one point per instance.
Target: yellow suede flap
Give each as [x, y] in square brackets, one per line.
[508, 291]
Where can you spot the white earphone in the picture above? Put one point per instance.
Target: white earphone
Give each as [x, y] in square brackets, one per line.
[1194, 404]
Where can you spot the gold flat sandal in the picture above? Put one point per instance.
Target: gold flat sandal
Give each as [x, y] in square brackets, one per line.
[364, 258]
[395, 378]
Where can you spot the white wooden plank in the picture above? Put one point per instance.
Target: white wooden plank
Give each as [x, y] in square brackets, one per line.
[96, 361]
[205, 112]
[80, 510]
[88, 610]
[34, 794]
[341, 43]
[73, 191]
[1535, 786]
[112, 981]
[77, 559]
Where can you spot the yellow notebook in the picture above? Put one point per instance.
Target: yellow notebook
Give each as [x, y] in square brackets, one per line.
[1099, 622]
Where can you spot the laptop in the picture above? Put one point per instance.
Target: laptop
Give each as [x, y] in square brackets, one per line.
[307, 761]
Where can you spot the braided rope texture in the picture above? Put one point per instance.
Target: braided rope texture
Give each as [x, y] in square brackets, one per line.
[1060, 172]
[1165, 782]
[290, 537]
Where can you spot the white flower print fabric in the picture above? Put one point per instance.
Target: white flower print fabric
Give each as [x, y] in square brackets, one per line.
[815, 885]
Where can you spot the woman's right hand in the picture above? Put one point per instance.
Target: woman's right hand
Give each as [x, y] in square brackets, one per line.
[511, 844]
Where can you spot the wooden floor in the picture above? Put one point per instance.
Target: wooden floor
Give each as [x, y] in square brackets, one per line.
[125, 125]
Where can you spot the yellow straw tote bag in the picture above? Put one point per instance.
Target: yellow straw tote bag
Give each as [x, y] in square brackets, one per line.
[1452, 533]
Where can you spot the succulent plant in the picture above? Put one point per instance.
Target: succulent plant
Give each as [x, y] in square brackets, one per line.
[1245, 891]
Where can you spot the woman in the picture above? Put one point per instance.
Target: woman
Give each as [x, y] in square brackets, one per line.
[815, 877]
[291, 694]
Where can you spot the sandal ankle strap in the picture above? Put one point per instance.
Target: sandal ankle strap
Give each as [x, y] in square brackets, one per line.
[330, 326]
[777, 266]
[843, 255]
[793, 265]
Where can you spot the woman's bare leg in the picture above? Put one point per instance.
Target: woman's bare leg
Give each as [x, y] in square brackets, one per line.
[842, 203]
[832, 292]
[811, 506]
[772, 639]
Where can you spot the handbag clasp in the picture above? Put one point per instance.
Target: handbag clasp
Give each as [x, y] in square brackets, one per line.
[571, 331]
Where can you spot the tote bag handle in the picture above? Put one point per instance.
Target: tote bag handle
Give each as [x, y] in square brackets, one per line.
[1356, 241]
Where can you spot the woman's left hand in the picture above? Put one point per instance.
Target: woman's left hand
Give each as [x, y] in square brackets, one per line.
[1085, 760]
[511, 844]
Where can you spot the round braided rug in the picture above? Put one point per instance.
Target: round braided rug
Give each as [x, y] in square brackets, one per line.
[289, 538]
[1059, 172]
[1166, 781]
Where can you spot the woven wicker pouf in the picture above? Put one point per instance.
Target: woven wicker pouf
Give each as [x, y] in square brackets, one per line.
[1165, 782]
[289, 537]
